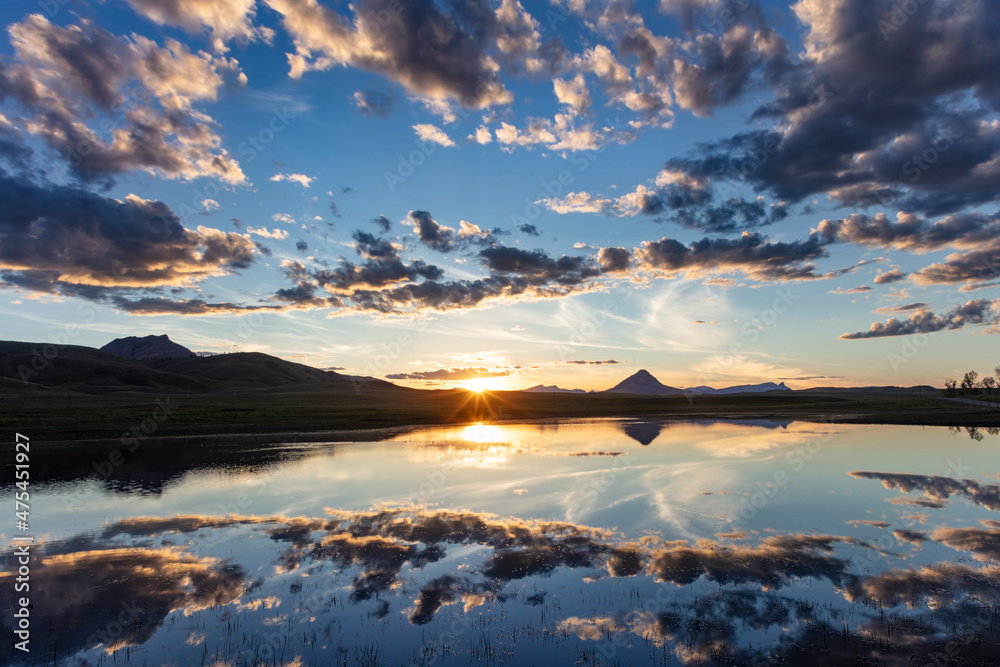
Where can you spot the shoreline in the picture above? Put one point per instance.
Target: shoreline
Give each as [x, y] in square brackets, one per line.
[384, 432]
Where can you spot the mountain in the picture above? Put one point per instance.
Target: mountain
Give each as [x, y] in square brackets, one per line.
[739, 389]
[147, 348]
[91, 371]
[552, 389]
[643, 383]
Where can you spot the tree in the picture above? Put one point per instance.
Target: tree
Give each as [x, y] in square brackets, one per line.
[997, 371]
[989, 383]
[969, 382]
[949, 387]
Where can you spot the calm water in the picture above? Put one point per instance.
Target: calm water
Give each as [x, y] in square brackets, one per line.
[597, 542]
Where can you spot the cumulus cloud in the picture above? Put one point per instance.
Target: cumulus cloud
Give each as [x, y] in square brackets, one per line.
[977, 311]
[301, 179]
[427, 132]
[431, 52]
[64, 239]
[938, 489]
[854, 120]
[68, 78]
[751, 254]
[889, 277]
[225, 19]
[276, 234]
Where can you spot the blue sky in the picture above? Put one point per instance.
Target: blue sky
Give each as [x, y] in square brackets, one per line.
[717, 191]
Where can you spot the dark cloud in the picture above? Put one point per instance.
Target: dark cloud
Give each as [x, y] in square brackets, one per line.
[77, 240]
[594, 363]
[301, 246]
[530, 230]
[452, 374]
[82, 592]
[976, 268]
[432, 52]
[432, 234]
[911, 232]
[978, 311]
[777, 561]
[983, 543]
[382, 223]
[889, 277]
[751, 254]
[868, 116]
[69, 78]
[938, 489]
[374, 103]
[613, 260]
[537, 265]
[163, 306]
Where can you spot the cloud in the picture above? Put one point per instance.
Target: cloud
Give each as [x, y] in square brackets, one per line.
[433, 54]
[751, 254]
[889, 277]
[427, 132]
[912, 233]
[85, 592]
[530, 230]
[573, 93]
[938, 489]
[481, 136]
[978, 311]
[187, 307]
[974, 267]
[283, 217]
[301, 179]
[453, 374]
[277, 234]
[68, 79]
[594, 363]
[861, 289]
[66, 239]
[225, 19]
[983, 543]
[906, 307]
[209, 204]
[382, 222]
[854, 120]
[373, 103]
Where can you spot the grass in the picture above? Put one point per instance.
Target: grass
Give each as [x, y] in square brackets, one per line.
[65, 416]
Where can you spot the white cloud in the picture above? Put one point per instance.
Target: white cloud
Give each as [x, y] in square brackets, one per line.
[283, 217]
[482, 135]
[428, 132]
[301, 179]
[209, 204]
[276, 234]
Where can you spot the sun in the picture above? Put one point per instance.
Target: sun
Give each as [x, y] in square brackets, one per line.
[479, 385]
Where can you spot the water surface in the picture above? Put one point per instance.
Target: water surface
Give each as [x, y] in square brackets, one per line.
[586, 542]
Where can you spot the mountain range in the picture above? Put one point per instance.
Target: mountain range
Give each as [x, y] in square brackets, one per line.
[156, 363]
[642, 383]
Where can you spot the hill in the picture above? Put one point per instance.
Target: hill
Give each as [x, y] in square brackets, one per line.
[147, 348]
[552, 389]
[91, 371]
[642, 383]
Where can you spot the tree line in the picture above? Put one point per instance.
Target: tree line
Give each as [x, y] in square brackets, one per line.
[973, 385]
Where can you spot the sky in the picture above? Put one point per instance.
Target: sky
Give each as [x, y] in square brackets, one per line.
[498, 194]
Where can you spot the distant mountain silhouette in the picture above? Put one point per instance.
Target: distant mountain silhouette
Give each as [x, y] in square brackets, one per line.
[147, 348]
[739, 389]
[643, 383]
[91, 371]
[552, 389]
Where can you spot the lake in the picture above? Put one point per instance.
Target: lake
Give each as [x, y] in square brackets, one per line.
[574, 542]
